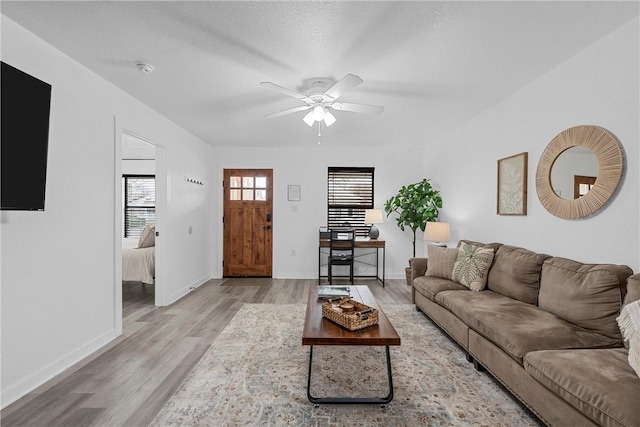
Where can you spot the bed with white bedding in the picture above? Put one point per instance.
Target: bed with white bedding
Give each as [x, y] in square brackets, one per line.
[138, 264]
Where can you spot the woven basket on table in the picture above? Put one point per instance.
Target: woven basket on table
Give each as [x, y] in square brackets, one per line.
[354, 320]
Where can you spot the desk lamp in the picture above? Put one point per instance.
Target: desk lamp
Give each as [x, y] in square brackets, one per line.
[438, 233]
[373, 217]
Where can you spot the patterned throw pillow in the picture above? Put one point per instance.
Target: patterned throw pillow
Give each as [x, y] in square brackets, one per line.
[472, 265]
[441, 261]
[147, 237]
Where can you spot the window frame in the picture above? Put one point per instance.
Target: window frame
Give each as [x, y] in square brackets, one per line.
[356, 208]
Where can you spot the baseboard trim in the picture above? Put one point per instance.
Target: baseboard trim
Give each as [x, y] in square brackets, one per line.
[27, 385]
[188, 288]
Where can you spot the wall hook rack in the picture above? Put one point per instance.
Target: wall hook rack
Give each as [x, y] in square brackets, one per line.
[193, 180]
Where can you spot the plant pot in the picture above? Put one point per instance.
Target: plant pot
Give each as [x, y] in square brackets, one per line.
[407, 271]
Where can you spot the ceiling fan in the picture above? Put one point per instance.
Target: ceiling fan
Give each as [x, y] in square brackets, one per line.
[319, 101]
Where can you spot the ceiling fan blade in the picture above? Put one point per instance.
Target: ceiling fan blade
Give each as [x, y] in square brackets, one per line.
[344, 85]
[286, 91]
[289, 111]
[357, 108]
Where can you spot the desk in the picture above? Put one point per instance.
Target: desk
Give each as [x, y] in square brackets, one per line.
[360, 243]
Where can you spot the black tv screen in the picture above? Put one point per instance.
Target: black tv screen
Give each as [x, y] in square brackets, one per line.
[26, 103]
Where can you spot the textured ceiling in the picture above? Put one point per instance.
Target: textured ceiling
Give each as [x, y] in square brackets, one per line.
[432, 65]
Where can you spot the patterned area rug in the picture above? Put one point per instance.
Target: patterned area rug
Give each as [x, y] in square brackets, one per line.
[255, 374]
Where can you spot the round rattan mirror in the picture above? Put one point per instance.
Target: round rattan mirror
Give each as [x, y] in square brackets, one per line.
[610, 165]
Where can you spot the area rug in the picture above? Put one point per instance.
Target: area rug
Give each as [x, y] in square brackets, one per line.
[255, 374]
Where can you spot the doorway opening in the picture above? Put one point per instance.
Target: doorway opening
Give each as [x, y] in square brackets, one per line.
[138, 223]
[140, 206]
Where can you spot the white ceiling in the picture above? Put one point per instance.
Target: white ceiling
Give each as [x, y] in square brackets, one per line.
[432, 65]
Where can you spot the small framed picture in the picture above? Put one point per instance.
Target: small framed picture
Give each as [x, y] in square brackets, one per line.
[512, 185]
[293, 193]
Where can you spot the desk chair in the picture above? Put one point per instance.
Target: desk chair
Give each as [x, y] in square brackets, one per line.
[341, 250]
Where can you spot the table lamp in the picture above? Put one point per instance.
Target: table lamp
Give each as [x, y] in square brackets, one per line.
[373, 217]
[438, 233]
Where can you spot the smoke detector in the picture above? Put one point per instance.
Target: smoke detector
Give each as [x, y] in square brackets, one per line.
[144, 68]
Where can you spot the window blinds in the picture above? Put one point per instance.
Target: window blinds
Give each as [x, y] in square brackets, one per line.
[139, 203]
[350, 192]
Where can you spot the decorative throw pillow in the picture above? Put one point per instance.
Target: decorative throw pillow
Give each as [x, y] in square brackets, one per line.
[441, 261]
[629, 323]
[147, 237]
[472, 265]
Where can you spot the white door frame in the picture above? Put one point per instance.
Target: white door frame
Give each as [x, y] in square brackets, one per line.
[161, 212]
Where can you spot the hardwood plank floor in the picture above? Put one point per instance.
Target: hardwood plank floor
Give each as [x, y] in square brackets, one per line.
[128, 381]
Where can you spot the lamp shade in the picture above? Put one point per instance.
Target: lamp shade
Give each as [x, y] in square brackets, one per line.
[308, 118]
[437, 232]
[329, 118]
[373, 216]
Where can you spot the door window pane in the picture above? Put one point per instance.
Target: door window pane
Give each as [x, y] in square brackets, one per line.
[248, 188]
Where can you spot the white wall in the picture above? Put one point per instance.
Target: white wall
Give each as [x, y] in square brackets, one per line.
[296, 224]
[59, 295]
[598, 86]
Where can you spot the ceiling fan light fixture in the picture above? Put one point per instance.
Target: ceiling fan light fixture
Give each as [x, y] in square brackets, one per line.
[320, 101]
[318, 113]
[308, 118]
[329, 118]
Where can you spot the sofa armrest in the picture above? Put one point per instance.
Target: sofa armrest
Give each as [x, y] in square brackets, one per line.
[633, 289]
[418, 268]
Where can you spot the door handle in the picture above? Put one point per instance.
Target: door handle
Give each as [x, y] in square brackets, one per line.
[267, 227]
[268, 217]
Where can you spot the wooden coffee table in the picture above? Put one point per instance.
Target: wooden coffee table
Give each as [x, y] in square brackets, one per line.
[321, 331]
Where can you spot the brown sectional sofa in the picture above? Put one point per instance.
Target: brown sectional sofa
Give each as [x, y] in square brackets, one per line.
[545, 327]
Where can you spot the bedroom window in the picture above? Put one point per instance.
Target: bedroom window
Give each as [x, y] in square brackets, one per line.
[349, 193]
[139, 192]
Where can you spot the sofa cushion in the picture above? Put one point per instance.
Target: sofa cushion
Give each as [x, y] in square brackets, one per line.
[518, 327]
[599, 383]
[441, 261]
[472, 266]
[515, 273]
[430, 286]
[587, 295]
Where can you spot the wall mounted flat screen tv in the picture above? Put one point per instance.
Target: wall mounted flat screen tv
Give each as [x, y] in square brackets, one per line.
[24, 125]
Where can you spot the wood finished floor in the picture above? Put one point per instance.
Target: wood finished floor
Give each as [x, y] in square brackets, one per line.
[127, 382]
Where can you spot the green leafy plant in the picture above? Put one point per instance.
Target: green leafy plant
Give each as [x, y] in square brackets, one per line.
[415, 204]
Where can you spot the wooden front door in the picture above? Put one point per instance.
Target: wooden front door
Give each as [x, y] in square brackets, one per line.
[248, 219]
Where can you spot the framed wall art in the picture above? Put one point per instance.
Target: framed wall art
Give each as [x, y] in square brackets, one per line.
[512, 185]
[293, 193]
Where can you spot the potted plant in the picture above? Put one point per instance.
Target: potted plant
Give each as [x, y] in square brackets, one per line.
[415, 204]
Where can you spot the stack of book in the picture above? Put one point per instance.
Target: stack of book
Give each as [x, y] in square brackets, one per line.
[330, 292]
